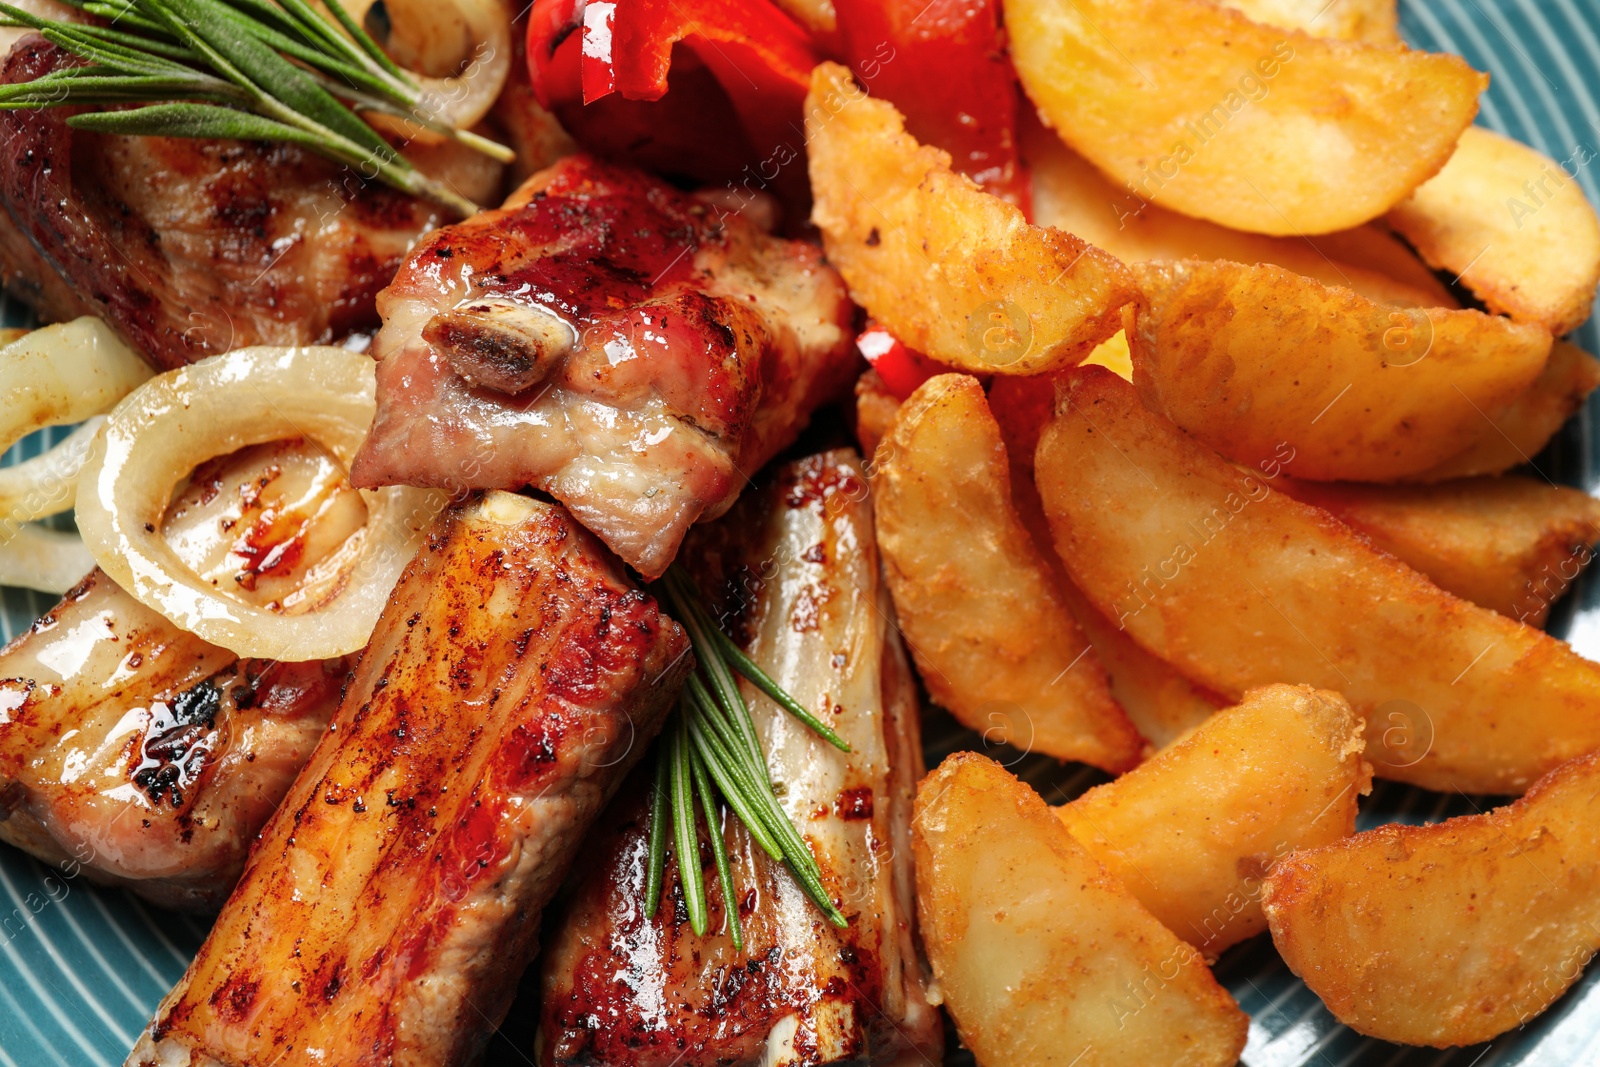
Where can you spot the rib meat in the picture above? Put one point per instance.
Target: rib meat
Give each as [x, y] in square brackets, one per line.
[138, 752]
[797, 569]
[393, 900]
[192, 247]
[624, 347]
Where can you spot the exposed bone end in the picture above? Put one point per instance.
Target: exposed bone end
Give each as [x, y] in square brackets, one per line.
[500, 344]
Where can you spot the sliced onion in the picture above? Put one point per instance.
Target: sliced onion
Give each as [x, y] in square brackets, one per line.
[36, 557]
[474, 32]
[51, 377]
[180, 419]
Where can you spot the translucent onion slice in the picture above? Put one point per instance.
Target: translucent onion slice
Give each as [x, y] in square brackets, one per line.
[51, 377]
[46, 484]
[473, 33]
[180, 419]
[36, 557]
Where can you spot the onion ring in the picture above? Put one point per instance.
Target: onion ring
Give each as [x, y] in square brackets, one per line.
[477, 32]
[37, 557]
[182, 418]
[50, 377]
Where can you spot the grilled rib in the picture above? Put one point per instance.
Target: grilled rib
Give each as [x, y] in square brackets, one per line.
[145, 755]
[192, 247]
[611, 341]
[797, 570]
[392, 901]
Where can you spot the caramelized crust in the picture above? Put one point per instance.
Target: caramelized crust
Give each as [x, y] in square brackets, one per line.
[620, 345]
[798, 575]
[144, 756]
[393, 900]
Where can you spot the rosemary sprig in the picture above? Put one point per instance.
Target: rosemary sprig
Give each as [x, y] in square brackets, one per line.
[711, 750]
[274, 70]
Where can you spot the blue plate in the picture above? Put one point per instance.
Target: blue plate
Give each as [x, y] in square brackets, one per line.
[82, 968]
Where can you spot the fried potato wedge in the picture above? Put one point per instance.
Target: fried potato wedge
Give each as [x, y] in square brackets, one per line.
[1192, 831]
[953, 272]
[977, 602]
[1256, 362]
[1247, 125]
[1161, 703]
[1376, 21]
[1514, 225]
[1510, 544]
[1044, 958]
[1239, 586]
[1453, 933]
[1069, 193]
[1517, 431]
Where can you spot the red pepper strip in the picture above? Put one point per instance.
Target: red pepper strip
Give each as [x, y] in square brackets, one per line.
[943, 63]
[761, 56]
[902, 369]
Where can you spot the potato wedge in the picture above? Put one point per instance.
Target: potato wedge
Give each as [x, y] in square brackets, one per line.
[1247, 125]
[1192, 831]
[1044, 958]
[1069, 193]
[977, 603]
[1510, 544]
[1238, 586]
[1375, 21]
[1514, 225]
[1258, 362]
[1161, 703]
[953, 272]
[1453, 933]
[1516, 432]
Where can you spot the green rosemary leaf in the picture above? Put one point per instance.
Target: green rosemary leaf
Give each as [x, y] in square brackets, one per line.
[189, 120]
[209, 25]
[763, 681]
[733, 782]
[686, 600]
[687, 842]
[359, 34]
[125, 17]
[719, 850]
[660, 816]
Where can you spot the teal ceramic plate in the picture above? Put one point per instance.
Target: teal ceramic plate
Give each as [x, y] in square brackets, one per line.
[81, 968]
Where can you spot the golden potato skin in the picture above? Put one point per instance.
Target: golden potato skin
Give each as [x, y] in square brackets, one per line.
[953, 272]
[1250, 126]
[1043, 957]
[1161, 703]
[1253, 359]
[1238, 586]
[1070, 194]
[1510, 223]
[977, 602]
[1453, 933]
[1375, 21]
[1518, 429]
[1192, 830]
[1507, 543]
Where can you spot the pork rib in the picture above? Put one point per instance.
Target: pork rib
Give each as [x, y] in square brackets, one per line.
[797, 570]
[192, 247]
[392, 901]
[618, 344]
[140, 753]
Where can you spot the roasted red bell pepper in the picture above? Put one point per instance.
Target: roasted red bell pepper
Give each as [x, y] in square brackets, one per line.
[580, 53]
[943, 63]
[902, 369]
